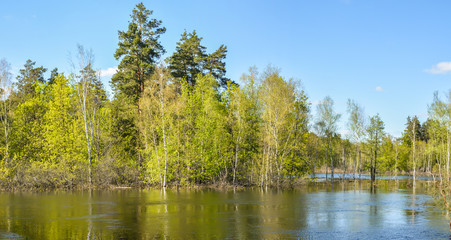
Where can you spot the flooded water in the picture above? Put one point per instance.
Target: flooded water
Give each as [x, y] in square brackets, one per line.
[316, 211]
[322, 177]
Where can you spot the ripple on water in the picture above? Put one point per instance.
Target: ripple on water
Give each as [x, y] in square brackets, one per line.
[10, 235]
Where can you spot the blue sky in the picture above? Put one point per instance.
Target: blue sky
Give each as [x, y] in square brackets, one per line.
[389, 56]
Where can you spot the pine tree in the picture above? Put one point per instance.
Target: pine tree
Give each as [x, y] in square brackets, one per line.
[28, 77]
[190, 59]
[139, 50]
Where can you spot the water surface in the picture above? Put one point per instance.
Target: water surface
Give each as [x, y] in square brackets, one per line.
[316, 211]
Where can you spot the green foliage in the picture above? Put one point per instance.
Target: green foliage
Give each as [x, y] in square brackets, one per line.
[409, 134]
[139, 49]
[191, 59]
[60, 128]
[284, 126]
[210, 133]
[243, 122]
[388, 159]
[27, 133]
[375, 131]
[186, 123]
[28, 78]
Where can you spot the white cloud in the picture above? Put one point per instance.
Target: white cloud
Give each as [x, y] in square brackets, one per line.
[108, 72]
[440, 68]
[379, 89]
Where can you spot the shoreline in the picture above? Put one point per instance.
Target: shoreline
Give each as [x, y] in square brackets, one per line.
[296, 183]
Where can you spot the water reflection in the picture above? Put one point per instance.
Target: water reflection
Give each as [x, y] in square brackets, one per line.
[338, 176]
[318, 210]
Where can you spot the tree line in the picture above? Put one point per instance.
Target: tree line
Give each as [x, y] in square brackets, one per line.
[180, 121]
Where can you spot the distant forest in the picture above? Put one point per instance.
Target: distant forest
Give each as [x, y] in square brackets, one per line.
[181, 122]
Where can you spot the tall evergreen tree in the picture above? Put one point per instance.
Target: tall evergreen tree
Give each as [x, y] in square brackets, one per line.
[215, 65]
[27, 79]
[53, 74]
[139, 49]
[190, 59]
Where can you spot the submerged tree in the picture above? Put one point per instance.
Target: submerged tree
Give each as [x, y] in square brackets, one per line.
[284, 118]
[356, 125]
[439, 113]
[329, 119]
[318, 129]
[375, 132]
[414, 133]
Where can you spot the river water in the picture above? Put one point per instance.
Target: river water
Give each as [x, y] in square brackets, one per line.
[315, 211]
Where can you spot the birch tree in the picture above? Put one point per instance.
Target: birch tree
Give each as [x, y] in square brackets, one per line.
[438, 111]
[319, 129]
[326, 114]
[90, 96]
[284, 124]
[158, 104]
[5, 90]
[414, 129]
[356, 125]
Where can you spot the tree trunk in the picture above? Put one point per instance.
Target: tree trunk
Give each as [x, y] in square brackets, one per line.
[360, 163]
[396, 160]
[355, 160]
[375, 165]
[83, 95]
[372, 166]
[6, 128]
[447, 156]
[331, 161]
[236, 161]
[344, 163]
[413, 152]
[316, 157]
[373, 169]
[237, 148]
[165, 143]
[327, 160]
